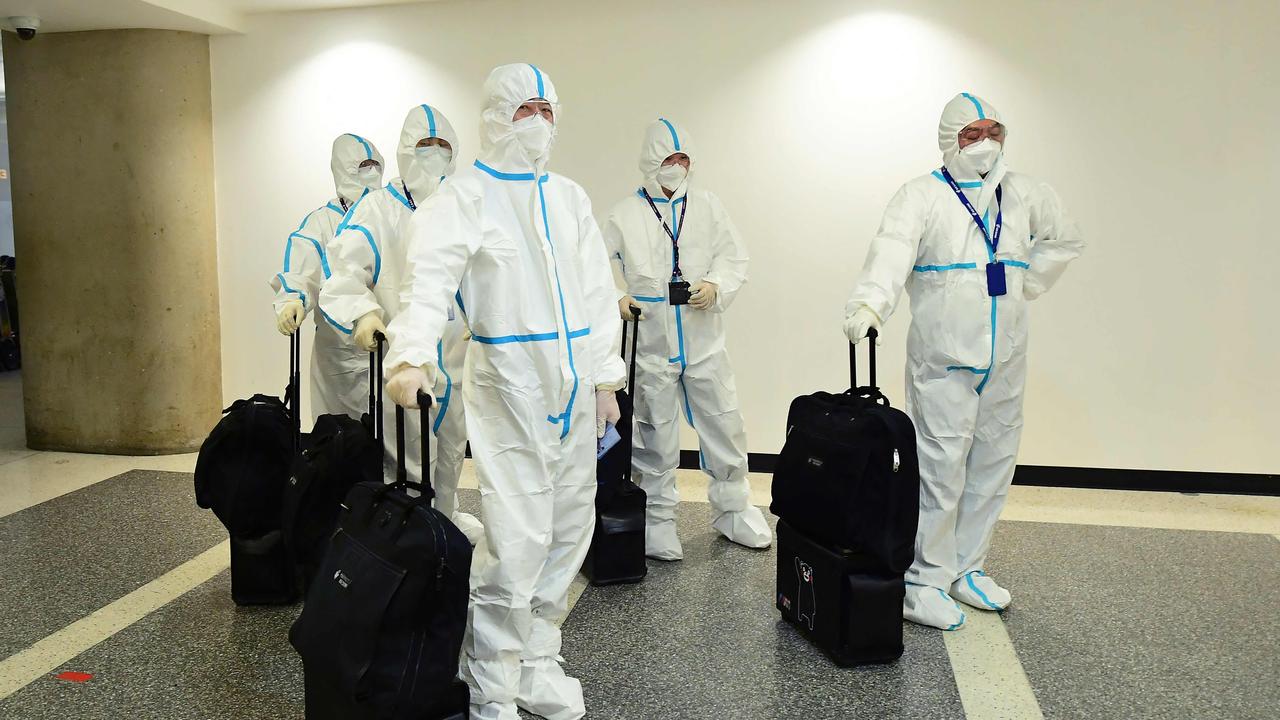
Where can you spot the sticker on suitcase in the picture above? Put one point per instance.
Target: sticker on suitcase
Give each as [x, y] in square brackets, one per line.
[808, 597]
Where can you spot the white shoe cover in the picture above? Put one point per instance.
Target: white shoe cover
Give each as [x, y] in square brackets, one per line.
[745, 527]
[925, 605]
[494, 711]
[469, 525]
[977, 590]
[661, 542]
[545, 690]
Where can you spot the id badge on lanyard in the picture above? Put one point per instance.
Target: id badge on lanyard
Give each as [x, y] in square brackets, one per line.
[996, 285]
[678, 288]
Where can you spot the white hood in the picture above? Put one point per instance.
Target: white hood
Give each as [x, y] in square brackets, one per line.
[423, 121]
[964, 109]
[505, 90]
[348, 152]
[662, 139]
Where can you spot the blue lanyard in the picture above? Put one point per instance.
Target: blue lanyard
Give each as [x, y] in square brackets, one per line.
[992, 238]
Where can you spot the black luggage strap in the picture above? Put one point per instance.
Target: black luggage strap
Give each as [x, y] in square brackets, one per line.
[872, 334]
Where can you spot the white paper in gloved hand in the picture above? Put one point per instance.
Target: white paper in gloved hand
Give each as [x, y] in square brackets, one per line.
[607, 410]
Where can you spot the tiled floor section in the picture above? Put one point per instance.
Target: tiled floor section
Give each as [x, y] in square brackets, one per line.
[65, 558]
[701, 639]
[1120, 623]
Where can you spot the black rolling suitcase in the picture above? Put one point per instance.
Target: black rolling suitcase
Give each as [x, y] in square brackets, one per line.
[848, 475]
[616, 554]
[339, 453]
[381, 632]
[846, 490]
[241, 473]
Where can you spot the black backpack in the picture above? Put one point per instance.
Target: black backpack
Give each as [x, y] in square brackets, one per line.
[241, 473]
[848, 475]
[339, 453]
[381, 632]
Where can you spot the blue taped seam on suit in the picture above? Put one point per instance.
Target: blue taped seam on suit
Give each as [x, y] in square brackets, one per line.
[448, 388]
[568, 409]
[335, 208]
[324, 259]
[968, 185]
[334, 323]
[431, 121]
[648, 298]
[368, 151]
[537, 74]
[288, 289]
[377, 256]
[640, 193]
[944, 268]
[1017, 264]
[982, 115]
[537, 337]
[674, 137]
[397, 195]
[458, 296]
[512, 177]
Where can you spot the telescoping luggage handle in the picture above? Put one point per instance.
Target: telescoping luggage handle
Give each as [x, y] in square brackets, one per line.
[375, 385]
[294, 401]
[872, 333]
[402, 472]
[635, 341]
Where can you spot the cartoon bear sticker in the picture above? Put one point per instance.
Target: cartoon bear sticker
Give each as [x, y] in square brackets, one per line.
[807, 602]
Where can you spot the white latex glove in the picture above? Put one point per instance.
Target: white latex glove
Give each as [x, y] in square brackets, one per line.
[290, 317]
[624, 307]
[607, 410]
[365, 328]
[405, 382]
[703, 295]
[857, 325]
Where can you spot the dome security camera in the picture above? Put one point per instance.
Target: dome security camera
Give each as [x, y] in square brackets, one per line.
[25, 26]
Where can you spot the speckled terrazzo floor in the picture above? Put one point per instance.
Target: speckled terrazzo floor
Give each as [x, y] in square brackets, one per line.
[63, 559]
[1108, 622]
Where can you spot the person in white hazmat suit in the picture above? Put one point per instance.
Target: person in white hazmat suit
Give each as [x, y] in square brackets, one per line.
[339, 372]
[364, 292]
[670, 230]
[972, 242]
[542, 369]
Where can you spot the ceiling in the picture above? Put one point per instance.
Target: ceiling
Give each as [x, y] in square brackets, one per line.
[203, 16]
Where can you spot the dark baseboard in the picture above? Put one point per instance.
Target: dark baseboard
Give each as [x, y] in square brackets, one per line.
[1091, 478]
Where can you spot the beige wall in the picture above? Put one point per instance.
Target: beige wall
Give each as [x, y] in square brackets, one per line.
[110, 135]
[1155, 121]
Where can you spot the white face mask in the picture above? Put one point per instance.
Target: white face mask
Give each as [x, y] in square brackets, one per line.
[535, 136]
[370, 176]
[981, 156]
[433, 159]
[670, 176]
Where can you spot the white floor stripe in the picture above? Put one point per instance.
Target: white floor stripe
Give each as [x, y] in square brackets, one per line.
[27, 666]
[988, 673]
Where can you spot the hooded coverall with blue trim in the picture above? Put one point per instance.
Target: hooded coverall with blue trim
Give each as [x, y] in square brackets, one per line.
[966, 350]
[539, 298]
[682, 363]
[339, 370]
[368, 274]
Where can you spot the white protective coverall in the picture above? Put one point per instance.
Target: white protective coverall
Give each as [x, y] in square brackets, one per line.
[682, 364]
[368, 266]
[339, 370]
[966, 350]
[538, 294]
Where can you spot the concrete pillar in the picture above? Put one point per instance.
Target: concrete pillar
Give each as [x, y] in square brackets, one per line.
[111, 146]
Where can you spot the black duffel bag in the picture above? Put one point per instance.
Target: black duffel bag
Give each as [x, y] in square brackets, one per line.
[848, 475]
[381, 632]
